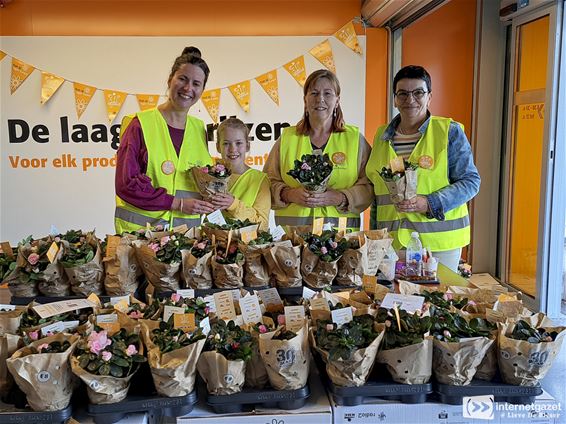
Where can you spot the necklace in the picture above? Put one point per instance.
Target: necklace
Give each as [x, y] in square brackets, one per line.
[405, 132]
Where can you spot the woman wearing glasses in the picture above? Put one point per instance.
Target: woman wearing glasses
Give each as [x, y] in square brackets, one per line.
[447, 176]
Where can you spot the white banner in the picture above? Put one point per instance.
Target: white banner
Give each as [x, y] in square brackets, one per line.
[57, 169]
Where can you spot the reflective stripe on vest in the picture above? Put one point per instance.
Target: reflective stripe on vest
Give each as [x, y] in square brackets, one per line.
[344, 174]
[449, 234]
[160, 149]
[307, 220]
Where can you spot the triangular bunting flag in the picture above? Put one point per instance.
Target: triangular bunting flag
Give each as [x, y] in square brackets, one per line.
[49, 85]
[323, 52]
[269, 83]
[147, 101]
[83, 96]
[211, 101]
[296, 68]
[241, 91]
[20, 71]
[114, 101]
[347, 34]
[2, 55]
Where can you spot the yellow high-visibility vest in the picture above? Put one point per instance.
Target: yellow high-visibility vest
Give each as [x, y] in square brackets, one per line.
[454, 231]
[247, 186]
[166, 170]
[342, 148]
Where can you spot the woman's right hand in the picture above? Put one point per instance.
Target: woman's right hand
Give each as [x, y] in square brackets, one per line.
[196, 207]
[295, 195]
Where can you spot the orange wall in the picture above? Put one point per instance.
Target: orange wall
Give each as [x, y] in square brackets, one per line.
[443, 42]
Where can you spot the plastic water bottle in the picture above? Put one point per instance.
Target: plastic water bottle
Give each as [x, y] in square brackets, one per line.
[414, 258]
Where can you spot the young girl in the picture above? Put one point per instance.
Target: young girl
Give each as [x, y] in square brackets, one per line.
[249, 190]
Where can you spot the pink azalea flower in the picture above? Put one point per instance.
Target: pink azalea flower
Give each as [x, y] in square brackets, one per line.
[329, 327]
[447, 296]
[33, 258]
[154, 247]
[235, 345]
[205, 170]
[159, 227]
[135, 315]
[471, 302]
[446, 333]
[281, 319]
[141, 230]
[323, 250]
[201, 245]
[387, 323]
[57, 239]
[33, 335]
[106, 356]
[262, 329]
[49, 333]
[305, 167]
[206, 310]
[42, 346]
[98, 341]
[220, 167]
[233, 249]
[165, 240]
[131, 350]
[175, 297]
[333, 244]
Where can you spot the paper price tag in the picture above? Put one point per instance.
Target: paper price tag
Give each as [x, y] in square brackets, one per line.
[117, 299]
[56, 327]
[55, 308]
[319, 303]
[108, 322]
[185, 322]
[308, 293]
[7, 250]
[225, 305]
[397, 164]
[205, 325]
[210, 303]
[4, 307]
[170, 310]
[94, 299]
[369, 283]
[381, 292]
[236, 295]
[277, 233]
[342, 316]
[251, 312]
[248, 233]
[180, 229]
[271, 299]
[216, 217]
[112, 243]
[409, 303]
[186, 293]
[122, 306]
[52, 252]
[294, 317]
[239, 320]
[70, 325]
[317, 225]
[342, 222]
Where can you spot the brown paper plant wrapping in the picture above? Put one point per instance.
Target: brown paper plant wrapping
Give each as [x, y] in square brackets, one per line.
[106, 364]
[45, 377]
[223, 364]
[228, 267]
[82, 262]
[353, 264]
[256, 268]
[348, 364]
[9, 343]
[319, 263]
[284, 263]
[286, 356]
[211, 179]
[527, 349]
[401, 180]
[197, 271]
[406, 351]
[121, 269]
[312, 172]
[172, 355]
[256, 374]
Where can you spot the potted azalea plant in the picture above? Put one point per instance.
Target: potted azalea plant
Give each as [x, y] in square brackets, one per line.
[256, 269]
[211, 179]
[107, 363]
[401, 179]
[228, 266]
[319, 262]
[197, 272]
[312, 172]
[82, 262]
[222, 365]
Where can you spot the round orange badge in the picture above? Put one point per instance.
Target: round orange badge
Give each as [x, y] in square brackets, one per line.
[339, 158]
[167, 167]
[426, 162]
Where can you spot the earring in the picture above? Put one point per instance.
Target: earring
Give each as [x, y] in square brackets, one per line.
[306, 113]
[334, 113]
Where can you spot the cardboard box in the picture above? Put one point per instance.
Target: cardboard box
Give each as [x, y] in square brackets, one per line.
[317, 410]
[545, 410]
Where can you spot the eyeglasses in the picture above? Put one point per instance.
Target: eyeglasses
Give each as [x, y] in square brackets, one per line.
[403, 95]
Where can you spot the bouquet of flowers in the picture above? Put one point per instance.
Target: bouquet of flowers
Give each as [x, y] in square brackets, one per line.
[527, 348]
[222, 365]
[227, 266]
[312, 172]
[106, 364]
[197, 272]
[172, 355]
[211, 179]
[42, 371]
[400, 179]
[406, 350]
[349, 351]
[319, 264]
[82, 261]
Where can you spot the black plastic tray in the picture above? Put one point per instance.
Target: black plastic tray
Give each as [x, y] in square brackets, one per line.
[502, 392]
[19, 416]
[157, 407]
[22, 301]
[267, 398]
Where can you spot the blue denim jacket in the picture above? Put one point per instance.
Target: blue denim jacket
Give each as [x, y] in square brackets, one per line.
[462, 173]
